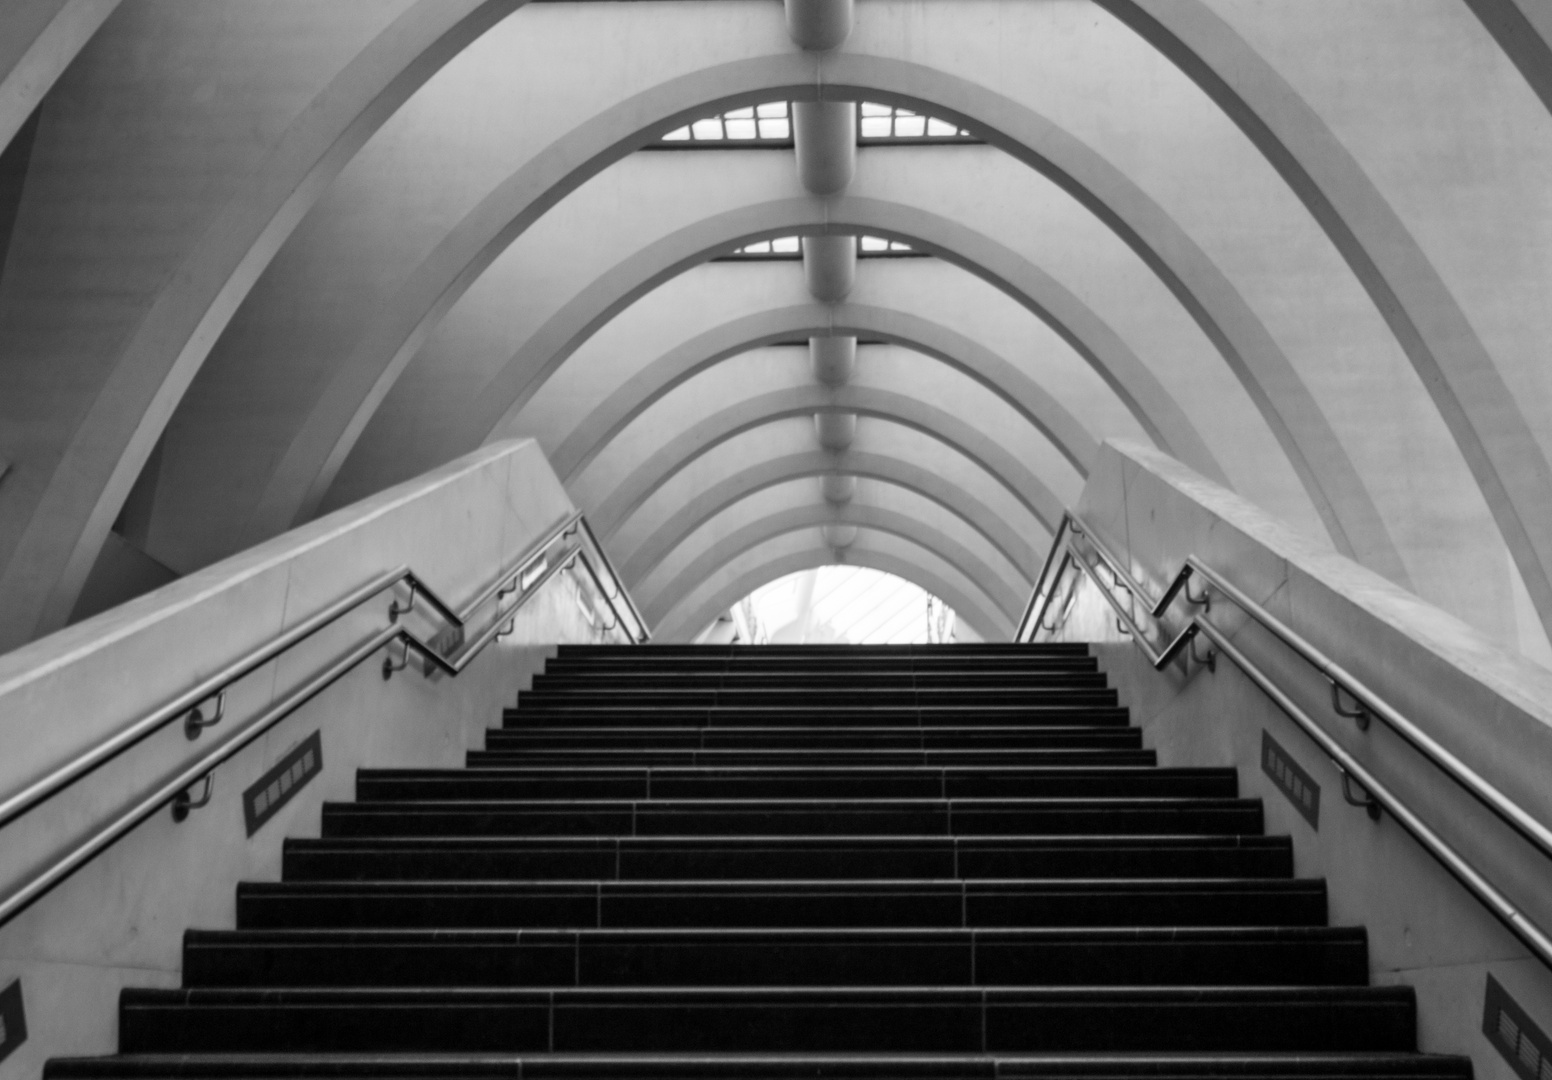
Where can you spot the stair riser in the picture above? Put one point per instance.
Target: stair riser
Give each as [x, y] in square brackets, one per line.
[810, 741]
[656, 819]
[545, 700]
[582, 758]
[588, 908]
[311, 861]
[814, 681]
[772, 1067]
[1020, 718]
[946, 1023]
[1116, 962]
[927, 784]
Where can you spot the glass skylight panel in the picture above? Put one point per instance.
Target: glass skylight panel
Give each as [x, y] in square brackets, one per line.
[891, 122]
[791, 247]
[771, 123]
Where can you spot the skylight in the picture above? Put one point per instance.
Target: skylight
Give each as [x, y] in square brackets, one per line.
[770, 125]
[790, 247]
[849, 605]
[890, 122]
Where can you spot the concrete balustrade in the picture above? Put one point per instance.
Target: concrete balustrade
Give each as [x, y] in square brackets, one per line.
[458, 527]
[1484, 704]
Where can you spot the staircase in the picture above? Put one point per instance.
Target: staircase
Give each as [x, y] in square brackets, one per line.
[907, 862]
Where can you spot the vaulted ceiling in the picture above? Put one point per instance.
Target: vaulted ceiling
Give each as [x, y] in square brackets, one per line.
[260, 260]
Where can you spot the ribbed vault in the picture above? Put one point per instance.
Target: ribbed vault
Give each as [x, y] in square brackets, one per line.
[272, 258]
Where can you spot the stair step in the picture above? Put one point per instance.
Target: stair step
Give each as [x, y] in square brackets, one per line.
[589, 694]
[787, 817]
[1327, 1066]
[721, 1020]
[803, 857]
[509, 755]
[835, 904]
[1244, 956]
[817, 739]
[809, 782]
[549, 714]
[783, 678]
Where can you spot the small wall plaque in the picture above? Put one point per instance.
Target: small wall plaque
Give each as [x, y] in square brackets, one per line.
[13, 1019]
[1291, 779]
[275, 788]
[1515, 1035]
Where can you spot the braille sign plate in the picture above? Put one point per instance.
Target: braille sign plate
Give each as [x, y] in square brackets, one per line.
[1291, 779]
[275, 788]
[13, 1021]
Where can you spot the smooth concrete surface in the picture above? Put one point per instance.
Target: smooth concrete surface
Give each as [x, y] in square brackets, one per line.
[1484, 704]
[838, 487]
[835, 430]
[1278, 219]
[458, 528]
[825, 138]
[829, 266]
[818, 24]
[833, 358]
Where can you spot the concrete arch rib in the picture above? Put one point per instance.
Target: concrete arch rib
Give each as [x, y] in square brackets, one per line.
[1001, 535]
[866, 518]
[1323, 468]
[38, 40]
[1274, 386]
[1477, 405]
[697, 613]
[711, 431]
[304, 473]
[70, 519]
[1523, 30]
[1110, 357]
[968, 357]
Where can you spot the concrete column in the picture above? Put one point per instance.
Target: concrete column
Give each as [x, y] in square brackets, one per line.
[838, 535]
[817, 25]
[838, 488]
[836, 430]
[834, 358]
[825, 134]
[830, 266]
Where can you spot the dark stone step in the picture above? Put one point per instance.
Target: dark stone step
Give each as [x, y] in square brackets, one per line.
[663, 654]
[588, 694]
[811, 782]
[797, 737]
[1380, 1066]
[979, 716]
[813, 679]
[512, 755]
[1245, 956]
[821, 1019]
[808, 857]
[831, 904]
[790, 817]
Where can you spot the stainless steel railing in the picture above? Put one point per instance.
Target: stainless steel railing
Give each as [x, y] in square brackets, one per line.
[570, 543]
[1066, 550]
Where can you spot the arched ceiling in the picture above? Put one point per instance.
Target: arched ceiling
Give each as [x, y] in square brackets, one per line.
[271, 258]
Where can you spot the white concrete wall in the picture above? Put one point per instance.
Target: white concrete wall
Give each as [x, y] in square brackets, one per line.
[1483, 704]
[119, 920]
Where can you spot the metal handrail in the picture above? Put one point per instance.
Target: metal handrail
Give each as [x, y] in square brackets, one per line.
[1536, 939]
[1029, 622]
[616, 595]
[64, 776]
